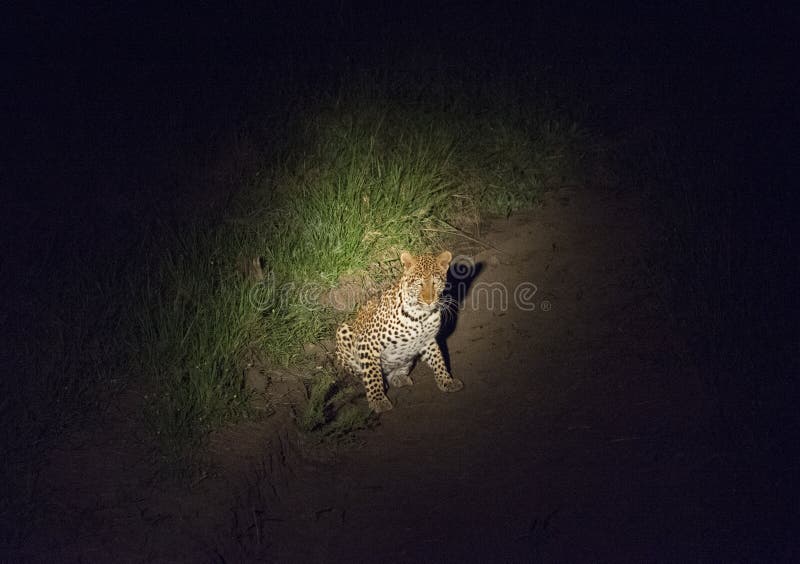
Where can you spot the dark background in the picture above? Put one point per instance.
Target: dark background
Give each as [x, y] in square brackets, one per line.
[124, 76]
[106, 110]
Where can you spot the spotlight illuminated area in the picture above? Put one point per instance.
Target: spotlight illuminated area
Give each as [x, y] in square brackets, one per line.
[442, 282]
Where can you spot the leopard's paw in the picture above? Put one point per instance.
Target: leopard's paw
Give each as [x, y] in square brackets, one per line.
[452, 385]
[400, 380]
[380, 405]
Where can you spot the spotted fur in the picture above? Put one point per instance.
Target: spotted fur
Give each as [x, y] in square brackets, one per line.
[389, 333]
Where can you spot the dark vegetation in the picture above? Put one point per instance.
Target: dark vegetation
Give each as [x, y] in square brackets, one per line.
[145, 164]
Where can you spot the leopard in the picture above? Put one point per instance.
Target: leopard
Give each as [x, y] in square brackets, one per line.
[391, 332]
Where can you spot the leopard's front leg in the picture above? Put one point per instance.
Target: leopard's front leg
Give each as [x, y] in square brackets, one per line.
[432, 355]
[373, 382]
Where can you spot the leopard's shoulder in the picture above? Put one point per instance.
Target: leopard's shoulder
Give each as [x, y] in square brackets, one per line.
[375, 310]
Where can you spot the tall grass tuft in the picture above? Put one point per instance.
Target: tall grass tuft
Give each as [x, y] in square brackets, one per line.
[195, 324]
[329, 413]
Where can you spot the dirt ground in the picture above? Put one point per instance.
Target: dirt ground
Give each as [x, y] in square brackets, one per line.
[583, 434]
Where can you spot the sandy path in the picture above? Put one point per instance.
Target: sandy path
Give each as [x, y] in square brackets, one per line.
[581, 435]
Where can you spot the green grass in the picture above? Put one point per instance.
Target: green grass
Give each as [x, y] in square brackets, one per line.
[329, 413]
[367, 170]
[194, 325]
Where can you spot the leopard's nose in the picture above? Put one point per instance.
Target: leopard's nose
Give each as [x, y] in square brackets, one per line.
[427, 293]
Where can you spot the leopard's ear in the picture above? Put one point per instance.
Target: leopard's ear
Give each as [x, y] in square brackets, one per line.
[407, 260]
[443, 260]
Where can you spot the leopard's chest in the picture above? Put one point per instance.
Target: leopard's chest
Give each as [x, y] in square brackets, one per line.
[405, 336]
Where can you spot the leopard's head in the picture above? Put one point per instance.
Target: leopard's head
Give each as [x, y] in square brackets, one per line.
[424, 278]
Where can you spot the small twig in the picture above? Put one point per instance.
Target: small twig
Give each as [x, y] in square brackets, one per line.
[256, 525]
[461, 232]
[645, 402]
[559, 186]
[623, 439]
[320, 512]
[199, 479]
